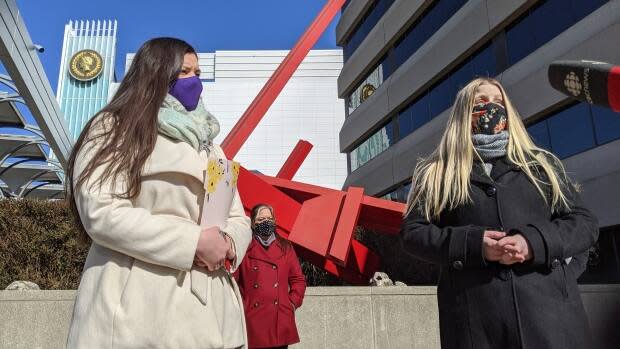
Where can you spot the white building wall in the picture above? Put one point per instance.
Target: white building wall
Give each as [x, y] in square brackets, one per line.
[308, 108]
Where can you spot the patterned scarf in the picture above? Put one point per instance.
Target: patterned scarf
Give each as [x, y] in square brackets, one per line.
[197, 128]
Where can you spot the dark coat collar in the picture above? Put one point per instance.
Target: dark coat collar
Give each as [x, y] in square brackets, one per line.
[500, 168]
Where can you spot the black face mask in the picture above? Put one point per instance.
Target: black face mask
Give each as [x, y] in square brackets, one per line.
[265, 228]
[488, 118]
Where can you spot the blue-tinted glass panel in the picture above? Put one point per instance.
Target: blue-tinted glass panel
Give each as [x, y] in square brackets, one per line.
[461, 77]
[544, 22]
[484, 63]
[549, 20]
[606, 124]
[440, 98]
[582, 8]
[520, 40]
[405, 122]
[420, 112]
[571, 131]
[375, 12]
[420, 31]
[540, 134]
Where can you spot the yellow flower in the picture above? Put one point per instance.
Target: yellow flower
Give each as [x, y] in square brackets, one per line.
[235, 173]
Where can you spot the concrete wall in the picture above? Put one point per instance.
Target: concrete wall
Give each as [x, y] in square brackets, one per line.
[331, 317]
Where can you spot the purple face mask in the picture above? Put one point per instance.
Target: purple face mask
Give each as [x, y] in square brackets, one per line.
[187, 91]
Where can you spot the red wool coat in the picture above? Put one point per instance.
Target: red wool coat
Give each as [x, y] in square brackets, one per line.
[272, 286]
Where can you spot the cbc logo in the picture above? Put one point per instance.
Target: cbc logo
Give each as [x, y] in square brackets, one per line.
[572, 84]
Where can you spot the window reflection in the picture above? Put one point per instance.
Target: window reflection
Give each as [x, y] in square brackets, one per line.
[373, 146]
[576, 129]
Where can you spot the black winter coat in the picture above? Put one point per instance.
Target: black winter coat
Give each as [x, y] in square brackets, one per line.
[483, 304]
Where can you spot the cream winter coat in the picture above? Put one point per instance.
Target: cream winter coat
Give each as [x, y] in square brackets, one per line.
[136, 288]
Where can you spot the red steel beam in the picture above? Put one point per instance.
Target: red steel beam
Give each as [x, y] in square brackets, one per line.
[253, 189]
[268, 94]
[341, 241]
[294, 161]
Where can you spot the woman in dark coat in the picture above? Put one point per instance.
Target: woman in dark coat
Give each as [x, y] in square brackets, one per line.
[507, 227]
[271, 284]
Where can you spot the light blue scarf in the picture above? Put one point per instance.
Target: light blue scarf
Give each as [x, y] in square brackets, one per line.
[197, 128]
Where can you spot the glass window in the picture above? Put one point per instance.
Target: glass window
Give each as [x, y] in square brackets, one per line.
[374, 14]
[392, 196]
[373, 146]
[404, 192]
[606, 124]
[440, 98]
[549, 20]
[520, 40]
[544, 22]
[581, 8]
[420, 31]
[365, 89]
[571, 131]
[484, 63]
[540, 134]
[420, 112]
[405, 122]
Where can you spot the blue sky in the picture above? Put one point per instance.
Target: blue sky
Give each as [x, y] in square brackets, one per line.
[208, 25]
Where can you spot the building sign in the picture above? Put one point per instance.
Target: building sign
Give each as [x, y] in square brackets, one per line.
[86, 65]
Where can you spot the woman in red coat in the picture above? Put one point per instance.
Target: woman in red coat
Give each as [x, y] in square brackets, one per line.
[271, 284]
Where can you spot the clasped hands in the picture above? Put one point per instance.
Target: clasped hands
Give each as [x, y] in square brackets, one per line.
[213, 249]
[507, 250]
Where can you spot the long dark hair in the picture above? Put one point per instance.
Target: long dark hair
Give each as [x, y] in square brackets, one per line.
[255, 210]
[127, 126]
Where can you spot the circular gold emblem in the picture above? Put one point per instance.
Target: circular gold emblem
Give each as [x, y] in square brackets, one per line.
[367, 91]
[86, 65]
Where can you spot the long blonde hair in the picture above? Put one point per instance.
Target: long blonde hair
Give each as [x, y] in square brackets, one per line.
[441, 181]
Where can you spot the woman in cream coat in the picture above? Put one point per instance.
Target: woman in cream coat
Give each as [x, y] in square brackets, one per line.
[153, 277]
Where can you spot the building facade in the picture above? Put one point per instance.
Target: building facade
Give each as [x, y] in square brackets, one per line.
[86, 71]
[308, 108]
[404, 61]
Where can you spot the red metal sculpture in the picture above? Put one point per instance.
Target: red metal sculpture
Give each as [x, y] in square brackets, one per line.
[320, 222]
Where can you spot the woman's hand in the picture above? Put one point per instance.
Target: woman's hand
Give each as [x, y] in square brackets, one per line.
[490, 247]
[212, 249]
[516, 249]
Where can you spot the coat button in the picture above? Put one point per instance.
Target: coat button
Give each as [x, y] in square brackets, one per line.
[255, 285]
[256, 305]
[255, 268]
[556, 263]
[275, 285]
[505, 274]
[274, 267]
[458, 265]
[491, 191]
[275, 302]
